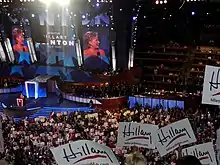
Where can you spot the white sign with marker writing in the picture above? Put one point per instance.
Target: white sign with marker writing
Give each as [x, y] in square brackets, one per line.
[211, 86]
[172, 136]
[136, 134]
[84, 152]
[204, 152]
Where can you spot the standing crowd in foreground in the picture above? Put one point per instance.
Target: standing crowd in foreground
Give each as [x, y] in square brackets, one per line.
[28, 141]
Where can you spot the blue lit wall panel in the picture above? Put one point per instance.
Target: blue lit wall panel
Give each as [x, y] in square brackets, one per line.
[180, 104]
[147, 101]
[132, 101]
[172, 103]
[140, 101]
[164, 103]
[155, 102]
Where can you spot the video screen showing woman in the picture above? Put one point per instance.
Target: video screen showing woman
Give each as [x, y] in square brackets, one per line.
[93, 43]
[20, 46]
[94, 56]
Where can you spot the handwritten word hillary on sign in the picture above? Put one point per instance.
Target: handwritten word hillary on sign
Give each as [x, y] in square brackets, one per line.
[84, 152]
[204, 152]
[136, 134]
[172, 136]
[211, 86]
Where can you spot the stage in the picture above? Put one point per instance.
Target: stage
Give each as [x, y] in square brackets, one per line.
[48, 104]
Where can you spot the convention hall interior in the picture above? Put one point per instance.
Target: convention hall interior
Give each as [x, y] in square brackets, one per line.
[109, 82]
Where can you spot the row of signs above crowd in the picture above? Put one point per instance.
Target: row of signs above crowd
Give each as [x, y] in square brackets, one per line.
[165, 140]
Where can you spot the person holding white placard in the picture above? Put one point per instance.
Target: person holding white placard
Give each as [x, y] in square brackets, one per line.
[218, 144]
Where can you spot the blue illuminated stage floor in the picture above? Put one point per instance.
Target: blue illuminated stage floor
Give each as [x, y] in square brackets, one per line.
[50, 104]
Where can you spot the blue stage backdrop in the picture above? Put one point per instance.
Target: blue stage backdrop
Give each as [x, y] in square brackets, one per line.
[54, 39]
[96, 46]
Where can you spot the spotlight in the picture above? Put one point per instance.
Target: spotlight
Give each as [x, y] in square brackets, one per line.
[165, 1]
[61, 3]
[193, 13]
[161, 2]
[32, 15]
[97, 4]
[134, 18]
[157, 2]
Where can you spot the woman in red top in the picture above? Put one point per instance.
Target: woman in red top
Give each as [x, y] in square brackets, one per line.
[19, 40]
[92, 41]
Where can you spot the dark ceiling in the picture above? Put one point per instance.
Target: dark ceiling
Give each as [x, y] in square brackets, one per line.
[187, 23]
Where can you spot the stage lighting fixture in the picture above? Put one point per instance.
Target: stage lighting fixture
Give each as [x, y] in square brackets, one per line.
[161, 2]
[61, 3]
[165, 1]
[83, 16]
[97, 4]
[193, 13]
[157, 2]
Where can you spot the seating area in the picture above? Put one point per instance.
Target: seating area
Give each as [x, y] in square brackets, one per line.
[176, 68]
[10, 82]
[164, 67]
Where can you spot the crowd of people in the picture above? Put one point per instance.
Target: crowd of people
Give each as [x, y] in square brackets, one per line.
[27, 142]
[8, 82]
[106, 90]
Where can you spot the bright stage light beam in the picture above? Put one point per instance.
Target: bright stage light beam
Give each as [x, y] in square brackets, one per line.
[59, 2]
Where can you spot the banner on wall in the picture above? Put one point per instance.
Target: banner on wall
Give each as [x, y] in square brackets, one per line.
[136, 134]
[211, 86]
[172, 136]
[204, 152]
[84, 152]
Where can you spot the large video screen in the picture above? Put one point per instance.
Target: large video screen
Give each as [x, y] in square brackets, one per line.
[19, 46]
[55, 44]
[54, 41]
[96, 46]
